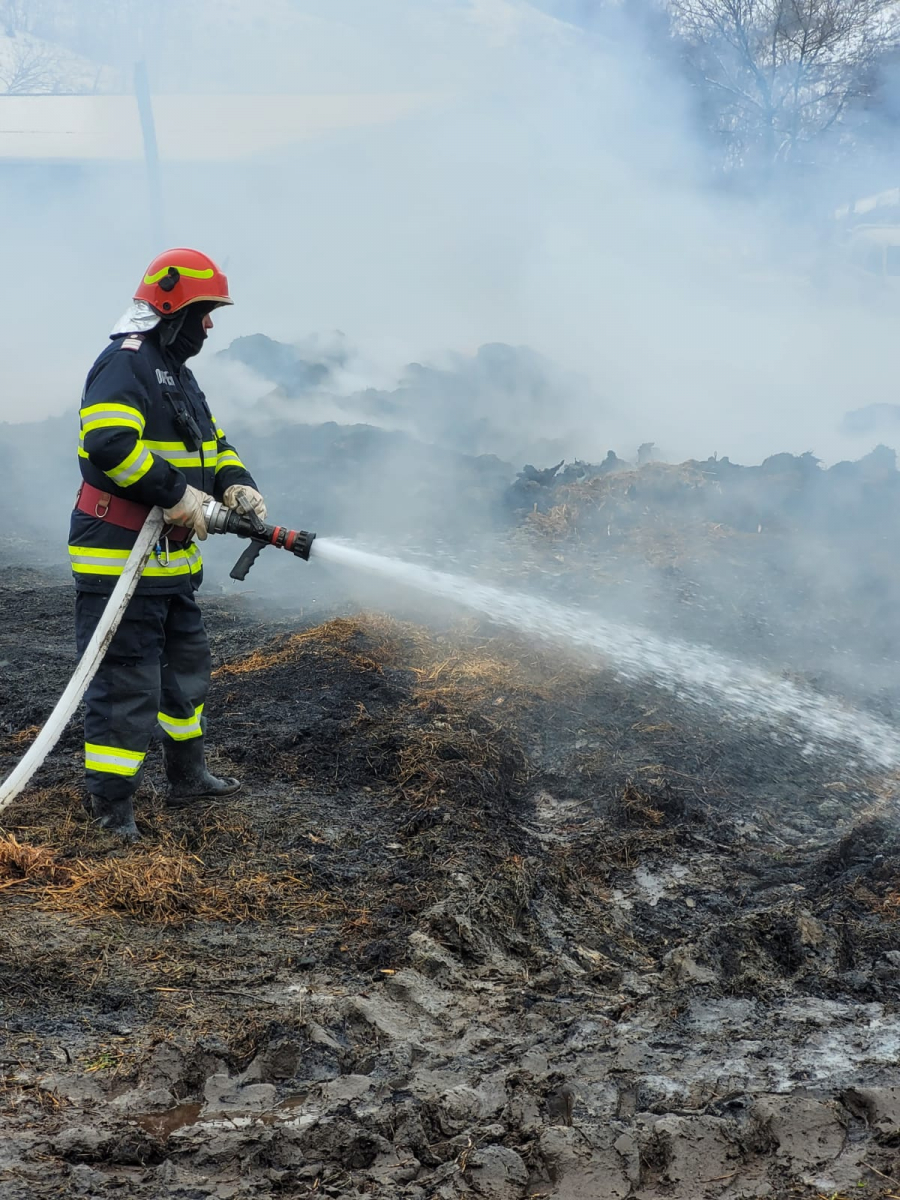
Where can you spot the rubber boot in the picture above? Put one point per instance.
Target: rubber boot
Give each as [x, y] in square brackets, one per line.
[189, 780]
[113, 816]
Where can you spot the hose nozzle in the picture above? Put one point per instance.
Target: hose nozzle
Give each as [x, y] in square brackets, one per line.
[221, 519]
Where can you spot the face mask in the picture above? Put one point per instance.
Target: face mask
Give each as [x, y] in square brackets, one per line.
[183, 336]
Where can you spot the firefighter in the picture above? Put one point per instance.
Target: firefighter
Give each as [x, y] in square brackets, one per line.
[148, 438]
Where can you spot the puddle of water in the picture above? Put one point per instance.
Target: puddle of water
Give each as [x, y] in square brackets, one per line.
[164, 1124]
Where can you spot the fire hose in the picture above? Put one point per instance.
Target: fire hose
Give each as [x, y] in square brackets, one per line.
[219, 519]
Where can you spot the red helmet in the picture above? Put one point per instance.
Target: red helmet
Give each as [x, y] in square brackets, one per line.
[179, 277]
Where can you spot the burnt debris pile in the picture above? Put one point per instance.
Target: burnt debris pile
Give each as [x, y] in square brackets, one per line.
[786, 562]
[785, 492]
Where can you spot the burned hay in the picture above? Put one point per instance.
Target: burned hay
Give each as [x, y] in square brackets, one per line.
[161, 884]
[29, 865]
[337, 637]
[20, 739]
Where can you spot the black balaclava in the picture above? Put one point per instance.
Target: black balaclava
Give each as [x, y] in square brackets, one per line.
[183, 335]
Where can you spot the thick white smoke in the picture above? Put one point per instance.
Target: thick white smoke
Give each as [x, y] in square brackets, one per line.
[428, 177]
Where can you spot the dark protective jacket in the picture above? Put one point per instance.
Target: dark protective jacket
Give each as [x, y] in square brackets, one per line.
[146, 432]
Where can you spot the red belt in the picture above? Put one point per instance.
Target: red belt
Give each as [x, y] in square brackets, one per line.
[126, 514]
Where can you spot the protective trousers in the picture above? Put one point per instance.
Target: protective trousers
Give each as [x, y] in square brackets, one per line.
[152, 682]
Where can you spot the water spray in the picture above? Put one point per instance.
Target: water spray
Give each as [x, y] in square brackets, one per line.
[693, 673]
[697, 674]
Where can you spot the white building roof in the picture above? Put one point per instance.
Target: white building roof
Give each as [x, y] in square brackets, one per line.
[188, 127]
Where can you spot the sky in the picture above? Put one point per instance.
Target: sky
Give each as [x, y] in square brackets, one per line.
[540, 186]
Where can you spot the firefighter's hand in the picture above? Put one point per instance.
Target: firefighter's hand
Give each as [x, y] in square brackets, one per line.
[244, 499]
[189, 512]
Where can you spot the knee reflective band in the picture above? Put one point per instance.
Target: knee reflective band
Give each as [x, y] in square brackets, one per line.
[112, 760]
[181, 729]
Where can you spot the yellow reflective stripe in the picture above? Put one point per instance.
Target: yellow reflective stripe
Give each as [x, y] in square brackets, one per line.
[190, 272]
[97, 552]
[132, 756]
[178, 455]
[112, 423]
[132, 468]
[113, 408]
[209, 447]
[228, 458]
[181, 722]
[82, 453]
[112, 760]
[181, 729]
[186, 458]
[190, 564]
[92, 560]
[107, 563]
[220, 432]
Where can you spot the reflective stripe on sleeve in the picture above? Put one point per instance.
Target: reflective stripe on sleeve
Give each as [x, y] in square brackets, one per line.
[132, 468]
[228, 458]
[110, 415]
[182, 729]
[112, 760]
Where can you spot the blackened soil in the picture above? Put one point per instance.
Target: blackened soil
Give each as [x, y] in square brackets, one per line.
[461, 879]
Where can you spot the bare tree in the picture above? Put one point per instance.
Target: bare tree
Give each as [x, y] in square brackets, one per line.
[776, 75]
[30, 66]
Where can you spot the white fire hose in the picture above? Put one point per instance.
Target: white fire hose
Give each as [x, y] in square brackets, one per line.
[90, 660]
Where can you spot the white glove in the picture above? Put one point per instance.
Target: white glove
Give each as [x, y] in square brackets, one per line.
[189, 511]
[243, 498]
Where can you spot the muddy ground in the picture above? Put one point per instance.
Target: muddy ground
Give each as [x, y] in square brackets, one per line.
[467, 888]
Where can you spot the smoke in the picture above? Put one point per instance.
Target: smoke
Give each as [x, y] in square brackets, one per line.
[508, 210]
[439, 176]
